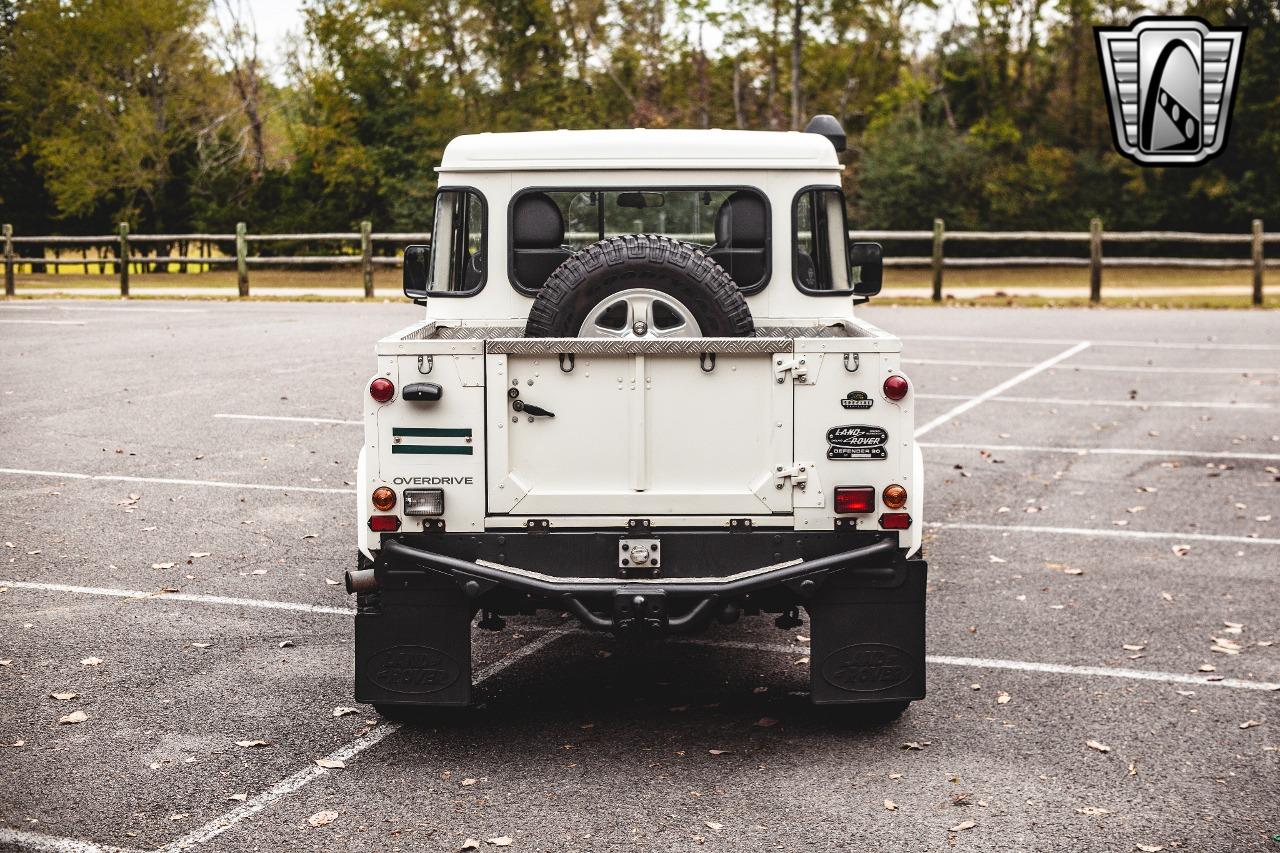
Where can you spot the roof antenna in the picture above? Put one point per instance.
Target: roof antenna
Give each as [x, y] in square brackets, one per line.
[828, 126]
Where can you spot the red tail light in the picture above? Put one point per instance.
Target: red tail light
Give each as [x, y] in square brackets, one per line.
[855, 499]
[384, 523]
[895, 521]
[382, 389]
[895, 387]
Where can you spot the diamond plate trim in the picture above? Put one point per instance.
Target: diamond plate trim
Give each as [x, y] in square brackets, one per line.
[638, 346]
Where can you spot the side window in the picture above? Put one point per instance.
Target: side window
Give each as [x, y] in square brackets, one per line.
[820, 260]
[457, 266]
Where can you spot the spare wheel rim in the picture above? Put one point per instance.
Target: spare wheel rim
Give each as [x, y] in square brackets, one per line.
[640, 313]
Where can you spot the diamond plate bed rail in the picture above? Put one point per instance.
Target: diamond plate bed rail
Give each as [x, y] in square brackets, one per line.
[639, 346]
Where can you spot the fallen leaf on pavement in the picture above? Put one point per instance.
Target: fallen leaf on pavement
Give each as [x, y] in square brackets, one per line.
[711, 824]
[891, 805]
[1150, 848]
[1002, 698]
[322, 818]
[993, 558]
[766, 722]
[1092, 811]
[470, 844]
[162, 565]
[719, 751]
[250, 744]
[466, 782]
[288, 644]
[963, 825]
[331, 763]
[1181, 550]
[1098, 745]
[73, 718]
[915, 744]
[501, 841]
[1134, 647]
[91, 662]
[202, 645]
[340, 711]
[64, 696]
[308, 536]
[1207, 667]
[239, 798]
[195, 555]
[1248, 724]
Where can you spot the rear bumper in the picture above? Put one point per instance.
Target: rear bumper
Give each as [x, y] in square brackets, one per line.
[864, 597]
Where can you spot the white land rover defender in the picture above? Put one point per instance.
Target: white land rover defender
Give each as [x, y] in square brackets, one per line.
[640, 396]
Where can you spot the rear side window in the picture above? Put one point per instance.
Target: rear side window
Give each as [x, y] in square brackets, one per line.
[820, 259]
[731, 225]
[458, 258]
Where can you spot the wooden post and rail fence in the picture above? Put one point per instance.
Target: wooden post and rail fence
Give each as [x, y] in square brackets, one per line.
[366, 238]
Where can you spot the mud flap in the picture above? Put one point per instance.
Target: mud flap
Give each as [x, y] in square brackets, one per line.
[867, 637]
[413, 647]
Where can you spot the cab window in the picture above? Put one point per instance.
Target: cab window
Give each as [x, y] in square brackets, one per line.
[730, 224]
[820, 260]
[457, 263]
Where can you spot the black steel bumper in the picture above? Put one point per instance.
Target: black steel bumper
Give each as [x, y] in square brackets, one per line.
[864, 597]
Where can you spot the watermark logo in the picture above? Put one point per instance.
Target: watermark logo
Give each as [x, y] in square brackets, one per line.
[1170, 83]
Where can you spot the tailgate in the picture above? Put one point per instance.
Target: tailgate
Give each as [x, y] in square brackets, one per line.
[640, 428]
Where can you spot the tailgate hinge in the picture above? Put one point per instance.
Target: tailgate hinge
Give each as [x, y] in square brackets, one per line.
[797, 365]
[798, 472]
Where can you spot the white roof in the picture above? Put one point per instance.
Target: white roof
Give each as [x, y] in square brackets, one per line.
[638, 149]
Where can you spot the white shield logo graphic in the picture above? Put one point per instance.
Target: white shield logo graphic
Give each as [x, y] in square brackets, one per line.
[1170, 83]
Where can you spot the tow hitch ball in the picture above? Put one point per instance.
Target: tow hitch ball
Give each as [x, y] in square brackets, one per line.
[639, 609]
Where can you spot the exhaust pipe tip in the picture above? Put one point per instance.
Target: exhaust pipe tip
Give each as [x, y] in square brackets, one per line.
[361, 580]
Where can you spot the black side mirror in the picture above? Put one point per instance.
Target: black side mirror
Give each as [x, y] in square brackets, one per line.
[416, 259]
[866, 262]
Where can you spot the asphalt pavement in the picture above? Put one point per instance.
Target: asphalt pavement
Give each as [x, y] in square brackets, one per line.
[1103, 628]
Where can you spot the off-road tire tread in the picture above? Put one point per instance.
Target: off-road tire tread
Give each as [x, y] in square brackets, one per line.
[712, 295]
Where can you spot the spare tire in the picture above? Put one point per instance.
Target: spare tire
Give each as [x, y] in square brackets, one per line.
[639, 286]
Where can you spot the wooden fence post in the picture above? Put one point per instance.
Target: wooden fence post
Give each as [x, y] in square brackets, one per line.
[124, 259]
[1259, 261]
[939, 235]
[1095, 260]
[366, 257]
[8, 259]
[242, 265]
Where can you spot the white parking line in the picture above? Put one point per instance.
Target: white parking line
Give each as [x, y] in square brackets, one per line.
[1105, 368]
[45, 322]
[219, 484]
[1102, 533]
[1132, 404]
[1002, 387]
[1103, 451]
[290, 419]
[345, 753]
[1018, 665]
[222, 600]
[1097, 343]
[54, 843]
[53, 306]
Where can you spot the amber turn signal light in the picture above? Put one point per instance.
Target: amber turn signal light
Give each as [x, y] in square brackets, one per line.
[383, 498]
[895, 496]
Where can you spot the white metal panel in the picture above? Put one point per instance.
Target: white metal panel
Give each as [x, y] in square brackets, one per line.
[637, 436]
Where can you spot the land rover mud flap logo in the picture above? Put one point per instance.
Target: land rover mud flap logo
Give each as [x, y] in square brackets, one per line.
[856, 441]
[412, 669]
[856, 400]
[867, 667]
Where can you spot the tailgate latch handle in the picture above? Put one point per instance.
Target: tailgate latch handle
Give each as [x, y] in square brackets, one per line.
[530, 409]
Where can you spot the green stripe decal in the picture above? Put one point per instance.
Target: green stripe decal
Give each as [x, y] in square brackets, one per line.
[455, 450]
[431, 432]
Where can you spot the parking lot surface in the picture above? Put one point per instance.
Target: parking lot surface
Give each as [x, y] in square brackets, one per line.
[1104, 632]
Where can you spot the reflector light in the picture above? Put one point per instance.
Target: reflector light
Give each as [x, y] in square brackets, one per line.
[384, 523]
[895, 387]
[383, 498]
[895, 521]
[855, 499]
[382, 389]
[895, 496]
[424, 502]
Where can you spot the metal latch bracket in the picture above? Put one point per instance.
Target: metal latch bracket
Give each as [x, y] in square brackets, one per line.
[798, 366]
